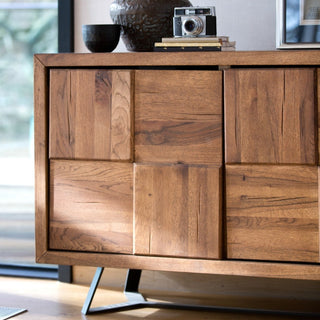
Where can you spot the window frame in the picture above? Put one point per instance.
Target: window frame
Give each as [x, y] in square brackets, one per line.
[66, 45]
[65, 26]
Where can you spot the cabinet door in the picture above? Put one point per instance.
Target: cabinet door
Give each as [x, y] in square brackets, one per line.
[178, 116]
[272, 212]
[178, 211]
[91, 114]
[270, 116]
[91, 206]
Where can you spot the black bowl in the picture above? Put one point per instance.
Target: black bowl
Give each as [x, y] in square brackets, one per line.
[101, 37]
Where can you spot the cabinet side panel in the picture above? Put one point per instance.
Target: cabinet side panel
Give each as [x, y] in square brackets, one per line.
[272, 213]
[318, 111]
[178, 116]
[178, 211]
[91, 205]
[269, 116]
[319, 210]
[41, 157]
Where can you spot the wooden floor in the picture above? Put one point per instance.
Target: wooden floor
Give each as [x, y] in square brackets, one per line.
[16, 224]
[47, 299]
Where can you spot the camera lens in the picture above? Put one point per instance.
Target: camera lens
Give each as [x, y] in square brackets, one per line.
[192, 26]
[189, 25]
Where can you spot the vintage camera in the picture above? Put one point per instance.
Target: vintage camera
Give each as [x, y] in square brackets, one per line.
[194, 22]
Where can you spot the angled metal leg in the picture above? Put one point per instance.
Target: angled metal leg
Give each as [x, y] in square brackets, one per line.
[136, 300]
[92, 290]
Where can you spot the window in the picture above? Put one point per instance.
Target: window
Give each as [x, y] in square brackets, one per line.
[26, 27]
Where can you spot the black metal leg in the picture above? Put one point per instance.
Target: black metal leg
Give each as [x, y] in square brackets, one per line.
[133, 280]
[136, 300]
[92, 290]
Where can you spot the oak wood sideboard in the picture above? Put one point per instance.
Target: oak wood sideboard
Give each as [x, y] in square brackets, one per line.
[189, 162]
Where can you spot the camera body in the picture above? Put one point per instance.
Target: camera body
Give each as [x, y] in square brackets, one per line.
[194, 22]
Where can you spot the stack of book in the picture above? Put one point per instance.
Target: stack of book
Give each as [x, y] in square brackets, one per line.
[227, 45]
[194, 44]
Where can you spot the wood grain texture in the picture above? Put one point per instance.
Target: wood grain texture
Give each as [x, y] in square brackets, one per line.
[318, 110]
[269, 116]
[91, 114]
[237, 58]
[301, 271]
[41, 160]
[289, 201]
[178, 116]
[272, 213]
[178, 211]
[91, 206]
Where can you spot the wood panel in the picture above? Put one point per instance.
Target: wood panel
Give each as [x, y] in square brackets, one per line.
[269, 116]
[91, 114]
[178, 116]
[178, 211]
[272, 213]
[91, 206]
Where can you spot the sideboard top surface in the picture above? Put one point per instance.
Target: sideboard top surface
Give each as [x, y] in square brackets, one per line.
[237, 58]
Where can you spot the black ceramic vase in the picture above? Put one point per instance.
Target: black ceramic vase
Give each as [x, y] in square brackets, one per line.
[144, 22]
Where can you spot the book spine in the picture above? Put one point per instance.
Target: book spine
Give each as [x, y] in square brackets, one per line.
[194, 44]
[190, 39]
[185, 49]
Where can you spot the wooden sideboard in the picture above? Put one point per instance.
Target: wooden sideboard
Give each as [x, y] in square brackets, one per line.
[190, 162]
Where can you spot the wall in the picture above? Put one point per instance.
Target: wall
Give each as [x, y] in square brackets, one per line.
[251, 23]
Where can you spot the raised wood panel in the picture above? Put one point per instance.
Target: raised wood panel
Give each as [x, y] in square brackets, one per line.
[91, 114]
[178, 211]
[269, 116]
[178, 116]
[91, 206]
[272, 212]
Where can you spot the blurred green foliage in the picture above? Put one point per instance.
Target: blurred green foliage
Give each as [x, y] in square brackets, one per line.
[23, 32]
